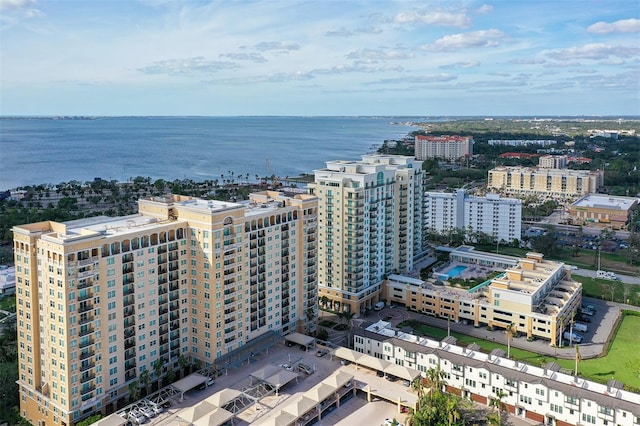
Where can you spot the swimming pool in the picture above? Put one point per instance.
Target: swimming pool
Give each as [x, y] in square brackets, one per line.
[455, 271]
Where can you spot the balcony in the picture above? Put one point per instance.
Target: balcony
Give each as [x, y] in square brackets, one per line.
[86, 330]
[86, 366]
[86, 377]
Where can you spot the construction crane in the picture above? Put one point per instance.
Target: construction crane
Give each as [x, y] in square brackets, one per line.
[274, 179]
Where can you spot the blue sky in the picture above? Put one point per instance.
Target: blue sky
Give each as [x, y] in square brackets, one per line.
[323, 57]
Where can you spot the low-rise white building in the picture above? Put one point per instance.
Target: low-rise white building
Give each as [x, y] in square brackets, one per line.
[500, 218]
[7, 279]
[542, 394]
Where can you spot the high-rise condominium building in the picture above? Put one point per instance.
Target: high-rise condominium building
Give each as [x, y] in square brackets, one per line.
[444, 147]
[500, 218]
[369, 225]
[102, 300]
[544, 183]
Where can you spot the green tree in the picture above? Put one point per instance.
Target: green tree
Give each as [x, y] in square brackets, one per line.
[510, 332]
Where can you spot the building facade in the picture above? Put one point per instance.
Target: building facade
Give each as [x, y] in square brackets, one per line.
[559, 184]
[541, 394]
[537, 296]
[500, 218]
[369, 225]
[553, 161]
[603, 210]
[444, 147]
[103, 302]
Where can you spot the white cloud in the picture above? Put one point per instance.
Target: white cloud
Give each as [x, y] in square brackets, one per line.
[597, 51]
[253, 57]
[433, 78]
[187, 67]
[485, 8]
[344, 32]
[277, 46]
[375, 55]
[483, 38]
[527, 61]
[460, 65]
[440, 18]
[621, 26]
[15, 4]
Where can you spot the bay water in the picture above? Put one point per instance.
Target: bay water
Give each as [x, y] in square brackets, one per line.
[47, 150]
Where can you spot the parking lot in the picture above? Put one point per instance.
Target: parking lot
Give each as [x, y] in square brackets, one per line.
[322, 366]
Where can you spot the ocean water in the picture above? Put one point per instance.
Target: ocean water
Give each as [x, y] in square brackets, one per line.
[44, 150]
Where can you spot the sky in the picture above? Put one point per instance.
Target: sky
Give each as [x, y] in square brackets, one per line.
[320, 57]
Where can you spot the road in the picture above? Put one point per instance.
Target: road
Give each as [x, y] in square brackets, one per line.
[627, 279]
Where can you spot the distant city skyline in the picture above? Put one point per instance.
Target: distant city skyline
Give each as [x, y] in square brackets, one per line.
[483, 58]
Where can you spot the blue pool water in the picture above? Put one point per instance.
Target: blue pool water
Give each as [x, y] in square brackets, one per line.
[455, 271]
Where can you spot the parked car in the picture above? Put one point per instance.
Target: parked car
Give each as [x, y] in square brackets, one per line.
[286, 367]
[405, 382]
[157, 409]
[289, 344]
[348, 384]
[583, 318]
[136, 417]
[146, 411]
[305, 368]
[391, 378]
[390, 422]
[321, 353]
[344, 362]
[380, 373]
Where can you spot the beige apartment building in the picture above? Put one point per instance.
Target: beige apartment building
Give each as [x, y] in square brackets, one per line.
[443, 147]
[102, 300]
[606, 211]
[536, 295]
[559, 184]
[370, 224]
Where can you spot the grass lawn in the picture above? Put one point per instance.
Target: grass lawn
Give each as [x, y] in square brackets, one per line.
[601, 289]
[328, 324]
[622, 362]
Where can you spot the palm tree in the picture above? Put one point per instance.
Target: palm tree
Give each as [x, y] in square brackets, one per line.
[134, 391]
[573, 316]
[510, 331]
[144, 380]
[578, 358]
[435, 376]
[416, 385]
[183, 362]
[157, 369]
[495, 418]
[324, 300]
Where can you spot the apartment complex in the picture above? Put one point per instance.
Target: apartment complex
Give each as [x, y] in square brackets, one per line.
[603, 210]
[443, 147]
[544, 183]
[369, 225]
[553, 161]
[522, 142]
[537, 296]
[102, 300]
[500, 218]
[545, 395]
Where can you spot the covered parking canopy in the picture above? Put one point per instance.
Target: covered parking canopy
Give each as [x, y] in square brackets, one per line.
[373, 362]
[320, 392]
[338, 379]
[265, 372]
[112, 420]
[193, 413]
[281, 378]
[300, 406]
[404, 373]
[300, 339]
[214, 418]
[188, 383]
[281, 419]
[348, 354]
[222, 398]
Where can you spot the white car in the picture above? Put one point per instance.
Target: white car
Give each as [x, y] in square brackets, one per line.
[286, 367]
[147, 411]
[136, 417]
[389, 422]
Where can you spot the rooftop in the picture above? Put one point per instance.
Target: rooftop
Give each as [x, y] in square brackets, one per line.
[606, 202]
